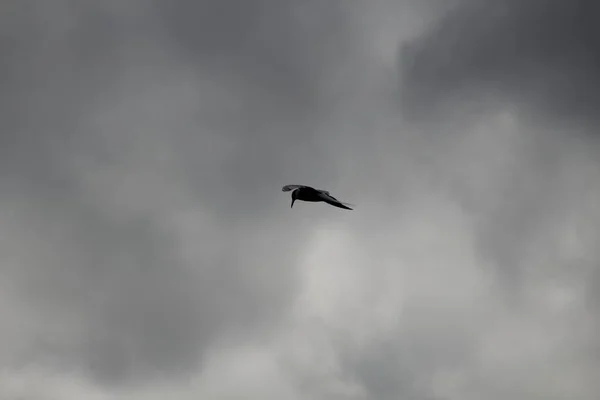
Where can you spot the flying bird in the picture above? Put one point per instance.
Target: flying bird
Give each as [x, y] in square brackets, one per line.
[307, 193]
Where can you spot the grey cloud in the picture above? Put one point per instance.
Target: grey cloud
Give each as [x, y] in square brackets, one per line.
[147, 249]
[278, 55]
[283, 48]
[425, 342]
[538, 59]
[146, 134]
[538, 54]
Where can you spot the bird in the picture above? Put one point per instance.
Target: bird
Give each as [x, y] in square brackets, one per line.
[307, 193]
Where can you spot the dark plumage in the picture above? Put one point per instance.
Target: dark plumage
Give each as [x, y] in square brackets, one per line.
[307, 193]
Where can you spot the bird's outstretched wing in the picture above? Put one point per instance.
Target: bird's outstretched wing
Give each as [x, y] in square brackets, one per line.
[287, 188]
[329, 194]
[329, 199]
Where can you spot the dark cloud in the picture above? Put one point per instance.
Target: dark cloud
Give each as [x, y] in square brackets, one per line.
[535, 59]
[147, 250]
[533, 66]
[265, 42]
[535, 54]
[144, 133]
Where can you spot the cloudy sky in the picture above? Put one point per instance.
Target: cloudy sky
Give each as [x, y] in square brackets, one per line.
[147, 251]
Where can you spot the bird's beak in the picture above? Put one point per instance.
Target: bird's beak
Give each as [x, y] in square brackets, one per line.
[293, 200]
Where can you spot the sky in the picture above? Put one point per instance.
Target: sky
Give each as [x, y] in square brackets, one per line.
[147, 251]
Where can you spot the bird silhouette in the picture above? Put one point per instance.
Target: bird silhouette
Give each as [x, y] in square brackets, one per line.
[307, 193]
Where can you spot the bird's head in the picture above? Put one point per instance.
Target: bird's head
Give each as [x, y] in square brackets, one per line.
[294, 197]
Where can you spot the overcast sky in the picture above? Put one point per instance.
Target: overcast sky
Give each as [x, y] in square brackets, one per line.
[147, 251]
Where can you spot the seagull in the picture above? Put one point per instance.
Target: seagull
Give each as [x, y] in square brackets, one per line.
[307, 193]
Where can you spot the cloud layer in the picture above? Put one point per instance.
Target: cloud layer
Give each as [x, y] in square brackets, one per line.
[147, 250]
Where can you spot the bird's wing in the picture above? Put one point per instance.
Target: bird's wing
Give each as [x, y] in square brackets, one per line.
[287, 188]
[323, 194]
[326, 194]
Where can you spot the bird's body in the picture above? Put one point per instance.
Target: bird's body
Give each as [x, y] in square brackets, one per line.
[307, 193]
